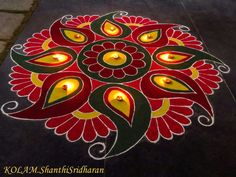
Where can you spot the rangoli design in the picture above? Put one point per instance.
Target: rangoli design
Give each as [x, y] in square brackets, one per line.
[90, 77]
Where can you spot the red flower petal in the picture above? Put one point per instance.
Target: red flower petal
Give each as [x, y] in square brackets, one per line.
[21, 85]
[30, 44]
[34, 52]
[205, 66]
[132, 19]
[119, 73]
[212, 77]
[18, 81]
[92, 18]
[89, 133]
[45, 33]
[108, 45]
[177, 34]
[184, 36]
[195, 47]
[54, 122]
[76, 131]
[98, 48]
[106, 73]
[152, 133]
[204, 87]
[138, 63]
[86, 18]
[164, 129]
[198, 64]
[190, 38]
[179, 118]
[210, 83]
[26, 90]
[107, 122]
[180, 102]
[19, 69]
[193, 43]
[19, 75]
[137, 56]
[170, 32]
[35, 40]
[174, 126]
[130, 70]
[95, 68]
[139, 19]
[150, 23]
[91, 54]
[130, 49]
[63, 128]
[120, 45]
[81, 19]
[146, 20]
[89, 61]
[100, 128]
[182, 110]
[34, 95]
[126, 19]
[27, 50]
[209, 72]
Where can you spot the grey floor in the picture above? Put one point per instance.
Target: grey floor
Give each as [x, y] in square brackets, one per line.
[201, 152]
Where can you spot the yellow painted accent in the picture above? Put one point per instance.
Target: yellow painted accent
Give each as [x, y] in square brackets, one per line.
[111, 29]
[114, 58]
[168, 57]
[172, 84]
[52, 59]
[83, 24]
[163, 109]
[75, 36]
[177, 41]
[58, 91]
[35, 79]
[45, 45]
[121, 105]
[195, 73]
[133, 24]
[149, 37]
[86, 116]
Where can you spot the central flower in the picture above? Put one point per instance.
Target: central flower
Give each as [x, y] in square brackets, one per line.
[114, 61]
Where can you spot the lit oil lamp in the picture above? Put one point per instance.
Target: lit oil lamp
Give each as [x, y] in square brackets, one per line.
[111, 29]
[77, 36]
[59, 57]
[167, 80]
[119, 98]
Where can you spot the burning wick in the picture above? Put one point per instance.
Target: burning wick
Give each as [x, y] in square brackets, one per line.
[112, 28]
[119, 98]
[59, 57]
[115, 56]
[65, 87]
[171, 56]
[77, 36]
[149, 36]
[167, 81]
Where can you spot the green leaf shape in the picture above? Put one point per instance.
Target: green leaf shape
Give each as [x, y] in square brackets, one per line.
[126, 136]
[196, 56]
[25, 61]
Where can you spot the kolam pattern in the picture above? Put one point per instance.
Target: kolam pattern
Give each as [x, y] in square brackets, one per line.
[133, 78]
